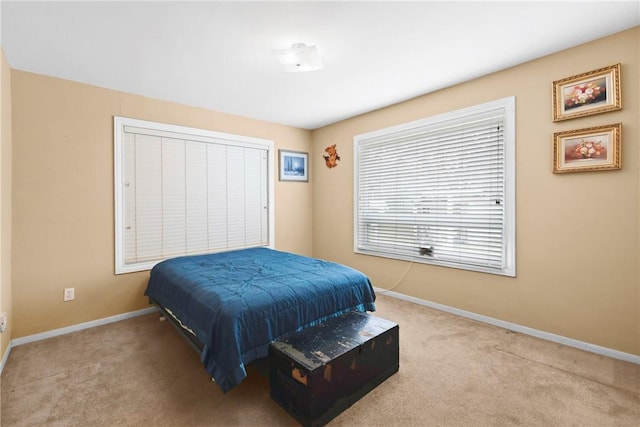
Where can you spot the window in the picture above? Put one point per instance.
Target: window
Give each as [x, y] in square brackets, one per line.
[440, 190]
[182, 191]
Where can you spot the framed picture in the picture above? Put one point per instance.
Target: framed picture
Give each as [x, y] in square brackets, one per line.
[589, 93]
[585, 150]
[294, 166]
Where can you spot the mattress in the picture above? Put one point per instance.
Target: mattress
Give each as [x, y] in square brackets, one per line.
[238, 302]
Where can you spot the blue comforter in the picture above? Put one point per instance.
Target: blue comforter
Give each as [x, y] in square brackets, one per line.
[238, 302]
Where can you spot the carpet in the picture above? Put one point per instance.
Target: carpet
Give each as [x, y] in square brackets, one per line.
[453, 372]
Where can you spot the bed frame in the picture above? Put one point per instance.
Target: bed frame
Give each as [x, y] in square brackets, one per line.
[193, 340]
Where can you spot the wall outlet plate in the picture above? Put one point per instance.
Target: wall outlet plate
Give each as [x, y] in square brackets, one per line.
[69, 294]
[3, 322]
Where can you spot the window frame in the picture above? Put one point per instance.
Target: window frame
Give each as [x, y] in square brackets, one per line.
[507, 107]
[119, 124]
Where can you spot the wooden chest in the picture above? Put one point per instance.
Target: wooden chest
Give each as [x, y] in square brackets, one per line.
[319, 372]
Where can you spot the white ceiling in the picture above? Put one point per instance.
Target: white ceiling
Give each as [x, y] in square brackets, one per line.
[217, 55]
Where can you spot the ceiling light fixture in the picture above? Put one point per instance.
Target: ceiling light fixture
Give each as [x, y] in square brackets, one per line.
[299, 58]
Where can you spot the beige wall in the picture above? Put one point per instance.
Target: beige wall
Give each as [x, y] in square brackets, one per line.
[5, 200]
[576, 280]
[63, 197]
[578, 234]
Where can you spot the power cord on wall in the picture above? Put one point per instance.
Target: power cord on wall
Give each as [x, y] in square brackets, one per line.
[383, 291]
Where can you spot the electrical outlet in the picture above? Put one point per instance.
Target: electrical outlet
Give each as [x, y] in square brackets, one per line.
[69, 294]
[3, 322]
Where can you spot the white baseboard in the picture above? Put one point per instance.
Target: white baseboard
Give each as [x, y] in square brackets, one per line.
[81, 326]
[5, 356]
[468, 314]
[604, 351]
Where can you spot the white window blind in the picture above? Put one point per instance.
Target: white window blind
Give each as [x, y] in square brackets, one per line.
[183, 191]
[440, 190]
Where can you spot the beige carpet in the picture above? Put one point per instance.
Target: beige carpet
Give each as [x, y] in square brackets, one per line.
[453, 372]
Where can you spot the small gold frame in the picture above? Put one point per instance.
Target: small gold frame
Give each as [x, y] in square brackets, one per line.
[593, 92]
[587, 150]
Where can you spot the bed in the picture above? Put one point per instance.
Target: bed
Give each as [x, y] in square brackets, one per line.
[232, 305]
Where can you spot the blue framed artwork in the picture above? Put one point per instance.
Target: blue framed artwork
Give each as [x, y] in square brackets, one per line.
[294, 166]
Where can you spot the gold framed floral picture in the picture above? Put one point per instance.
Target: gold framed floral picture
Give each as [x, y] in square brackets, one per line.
[593, 92]
[585, 150]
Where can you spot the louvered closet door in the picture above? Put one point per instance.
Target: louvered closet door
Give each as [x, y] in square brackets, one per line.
[188, 197]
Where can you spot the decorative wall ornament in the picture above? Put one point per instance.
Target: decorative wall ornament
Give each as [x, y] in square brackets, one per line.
[588, 93]
[332, 157]
[591, 149]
